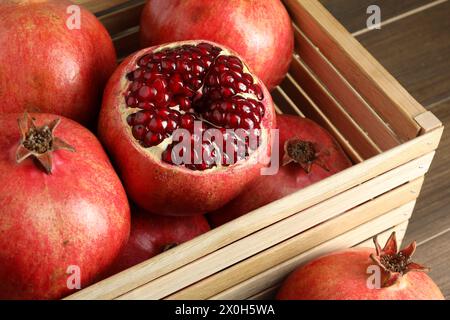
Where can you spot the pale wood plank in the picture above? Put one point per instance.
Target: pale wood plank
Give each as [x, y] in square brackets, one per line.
[270, 293]
[274, 277]
[312, 111]
[343, 91]
[278, 232]
[432, 212]
[300, 243]
[393, 103]
[234, 230]
[338, 115]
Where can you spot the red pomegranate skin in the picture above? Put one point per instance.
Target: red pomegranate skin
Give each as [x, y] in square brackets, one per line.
[290, 178]
[260, 31]
[343, 276]
[46, 67]
[159, 187]
[78, 215]
[152, 234]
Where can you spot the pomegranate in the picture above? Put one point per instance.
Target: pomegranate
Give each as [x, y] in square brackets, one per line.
[350, 275]
[260, 31]
[64, 213]
[152, 234]
[193, 100]
[49, 62]
[308, 153]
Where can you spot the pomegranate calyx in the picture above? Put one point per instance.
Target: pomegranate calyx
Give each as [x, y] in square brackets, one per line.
[303, 153]
[395, 263]
[39, 142]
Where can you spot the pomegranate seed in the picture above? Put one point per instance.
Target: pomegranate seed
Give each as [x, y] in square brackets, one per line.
[175, 87]
[157, 125]
[146, 93]
[142, 117]
[138, 132]
[152, 139]
[130, 119]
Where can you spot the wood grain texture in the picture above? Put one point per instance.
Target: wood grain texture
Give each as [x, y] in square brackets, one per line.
[436, 255]
[100, 6]
[352, 13]
[416, 51]
[432, 213]
[382, 91]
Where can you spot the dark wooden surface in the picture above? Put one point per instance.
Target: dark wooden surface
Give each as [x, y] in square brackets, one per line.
[414, 45]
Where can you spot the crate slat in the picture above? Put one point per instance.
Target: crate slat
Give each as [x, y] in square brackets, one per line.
[290, 266]
[277, 274]
[346, 125]
[355, 105]
[126, 42]
[301, 243]
[373, 114]
[309, 108]
[177, 257]
[287, 106]
[277, 232]
[123, 19]
[98, 6]
[393, 103]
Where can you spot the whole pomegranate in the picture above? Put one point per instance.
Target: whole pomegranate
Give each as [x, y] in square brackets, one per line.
[64, 214]
[352, 275]
[152, 234]
[187, 125]
[260, 31]
[54, 58]
[308, 153]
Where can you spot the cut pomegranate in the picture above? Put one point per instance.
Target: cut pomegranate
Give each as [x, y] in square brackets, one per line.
[174, 87]
[182, 108]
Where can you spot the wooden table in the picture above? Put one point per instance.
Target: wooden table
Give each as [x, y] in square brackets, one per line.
[414, 45]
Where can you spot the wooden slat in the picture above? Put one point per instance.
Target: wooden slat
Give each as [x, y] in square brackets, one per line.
[270, 293]
[391, 101]
[279, 231]
[300, 243]
[416, 51]
[97, 6]
[126, 42]
[428, 121]
[124, 18]
[267, 294]
[274, 277]
[285, 103]
[348, 97]
[352, 13]
[260, 218]
[312, 111]
[334, 111]
[432, 212]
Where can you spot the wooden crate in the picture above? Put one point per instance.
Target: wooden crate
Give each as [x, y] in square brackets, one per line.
[389, 136]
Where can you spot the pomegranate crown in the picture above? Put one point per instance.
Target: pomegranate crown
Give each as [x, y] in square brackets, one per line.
[395, 263]
[304, 153]
[39, 142]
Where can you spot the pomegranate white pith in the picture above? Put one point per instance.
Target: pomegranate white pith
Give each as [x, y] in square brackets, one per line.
[167, 188]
